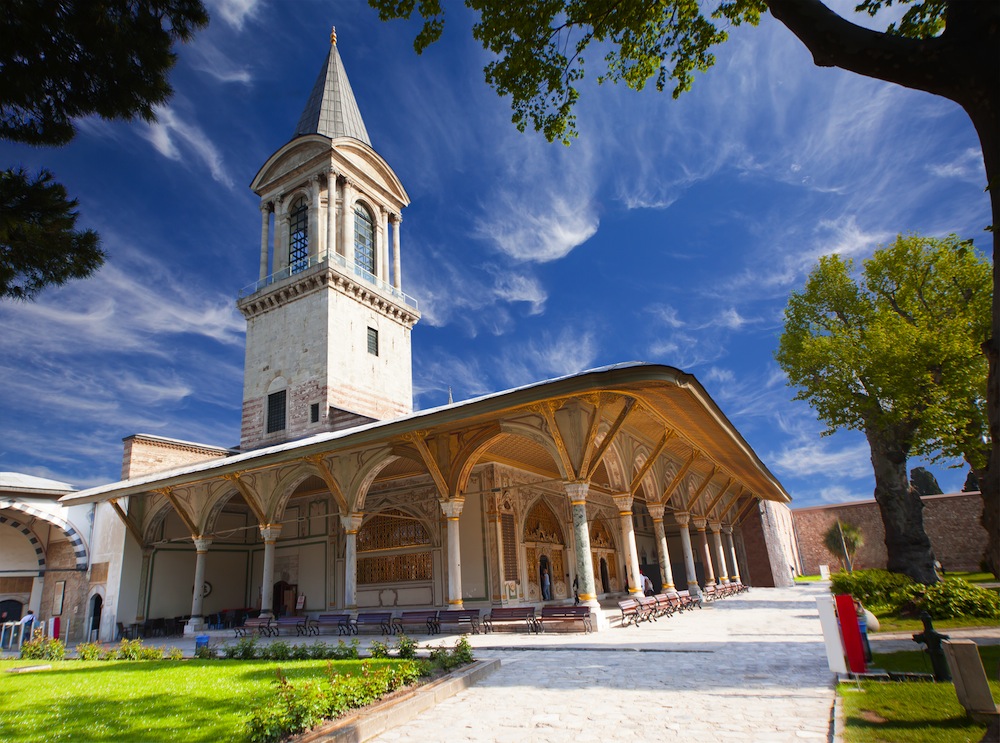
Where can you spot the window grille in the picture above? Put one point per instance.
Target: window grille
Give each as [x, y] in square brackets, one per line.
[391, 530]
[276, 411]
[364, 240]
[508, 534]
[314, 413]
[373, 341]
[395, 568]
[298, 236]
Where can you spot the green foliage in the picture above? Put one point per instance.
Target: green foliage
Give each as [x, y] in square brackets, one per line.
[406, 647]
[853, 540]
[40, 647]
[66, 60]
[954, 597]
[206, 652]
[876, 589]
[344, 651]
[447, 659]
[277, 650]
[39, 245]
[898, 347]
[378, 649]
[89, 650]
[174, 654]
[245, 648]
[294, 708]
[539, 48]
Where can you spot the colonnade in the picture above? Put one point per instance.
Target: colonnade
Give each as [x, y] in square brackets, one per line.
[325, 233]
[724, 554]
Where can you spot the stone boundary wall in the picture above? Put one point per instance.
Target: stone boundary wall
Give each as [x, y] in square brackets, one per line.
[951, 522]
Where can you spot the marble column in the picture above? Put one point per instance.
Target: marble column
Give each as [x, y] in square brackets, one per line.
[683, 518]
[197, 621]
[351, 524]
[265, 237]
[313, 216]
[577, 492]
[269, 533]
[728, 531]
[666, 572]
[382, 269]
[452, 510]
[331, 214]
[347, 223]
[397, 281]
[140, 610]
[624, 503]
[706, 553]
[720, 555]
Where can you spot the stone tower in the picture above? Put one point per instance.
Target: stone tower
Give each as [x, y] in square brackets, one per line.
[328, 324]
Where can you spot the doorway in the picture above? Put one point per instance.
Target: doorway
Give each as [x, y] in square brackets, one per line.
[283, 604]
[96, 608]
[545, 577]
[605, 580]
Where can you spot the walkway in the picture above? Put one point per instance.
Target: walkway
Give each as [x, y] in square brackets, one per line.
[747, 668]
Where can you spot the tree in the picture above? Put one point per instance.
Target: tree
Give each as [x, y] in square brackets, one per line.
[923, 482]
[894, 354]
[38, 243]
[949, 48]
[60, 61]
[843, 542]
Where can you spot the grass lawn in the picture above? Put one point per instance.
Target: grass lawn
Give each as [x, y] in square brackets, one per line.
[133, 701]
[974, 577]
[895, 624]
[900, 712]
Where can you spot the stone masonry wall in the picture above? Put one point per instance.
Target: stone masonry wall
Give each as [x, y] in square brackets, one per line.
[146, 454]
[951, 522]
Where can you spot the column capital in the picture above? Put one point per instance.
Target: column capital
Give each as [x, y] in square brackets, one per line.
[715, 527]
[656, 511]
[727, 529]
[266, 207]
[452, 508]
[682, 517]
[351, 522]
[395, 218]
[624, 503]
[270, 532]
[577, 491]
[699, 523]
[202, 543]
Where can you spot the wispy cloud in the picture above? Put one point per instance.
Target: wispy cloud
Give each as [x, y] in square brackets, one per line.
[173, 138]
[206, 57]
[815, 458]
[235, 12]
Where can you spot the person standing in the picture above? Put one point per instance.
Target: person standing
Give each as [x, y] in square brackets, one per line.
[546, 585]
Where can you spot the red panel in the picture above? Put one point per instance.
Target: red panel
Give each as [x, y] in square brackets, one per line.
[850, 631]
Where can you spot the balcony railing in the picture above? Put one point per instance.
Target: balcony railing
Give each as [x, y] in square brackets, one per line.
[334, 260]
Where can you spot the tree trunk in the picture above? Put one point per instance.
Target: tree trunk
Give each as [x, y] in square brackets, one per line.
[906, 543]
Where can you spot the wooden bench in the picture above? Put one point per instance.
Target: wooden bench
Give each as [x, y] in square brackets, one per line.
[565, 615]
[688, 601]
[648, 606]
[341, 621]
[426, 620]
[631, 612]
[299, 623]
[380, 619]
[664, 606]
[461, 617]
[513, 615]
[255, 625]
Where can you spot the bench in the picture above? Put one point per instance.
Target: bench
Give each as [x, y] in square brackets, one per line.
[648, 606]
[299, 623]
[341, 621]
[381, 619]
[425, 620]
[255, 625]
[566, 614]
[461, 617]
[513, 615]
[664, 606]
[631, 612]
[688, 601]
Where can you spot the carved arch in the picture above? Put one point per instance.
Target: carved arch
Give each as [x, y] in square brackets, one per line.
[72, 535]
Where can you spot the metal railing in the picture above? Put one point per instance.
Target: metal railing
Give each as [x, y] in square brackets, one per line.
[342, 264]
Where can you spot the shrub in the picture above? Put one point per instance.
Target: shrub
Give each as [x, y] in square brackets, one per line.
[343, 651]
[319, 650]
[90, 651]
[302, 652]
[406, 647]
[378, 649]
[206, 652]
[244, 649]
[448, 658]
[879, 590]
[175, 654]
[278, 650]
[292, 709]
[954, 597]
[40, 647]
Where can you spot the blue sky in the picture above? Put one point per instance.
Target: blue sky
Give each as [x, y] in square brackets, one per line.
[670, 232]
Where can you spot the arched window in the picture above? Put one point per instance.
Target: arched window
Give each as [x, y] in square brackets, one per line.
[298, 236]
[364, 240]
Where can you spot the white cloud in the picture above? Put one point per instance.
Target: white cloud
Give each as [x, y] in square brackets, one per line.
[815, 458]
[967, 165]
[169, 131]
[235, 12]
[207, 58]
[548, 356]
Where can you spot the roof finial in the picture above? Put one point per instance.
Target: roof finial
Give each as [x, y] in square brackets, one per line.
[333, 36]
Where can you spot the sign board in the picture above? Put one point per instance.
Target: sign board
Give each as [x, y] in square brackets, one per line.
[824, 572]
[300, 602]
[831, 634]
[850, 631]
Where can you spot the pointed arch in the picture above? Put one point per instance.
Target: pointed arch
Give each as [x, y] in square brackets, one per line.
[72, 535]
[32, 539]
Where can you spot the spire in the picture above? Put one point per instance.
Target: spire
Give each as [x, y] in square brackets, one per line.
[332, 110]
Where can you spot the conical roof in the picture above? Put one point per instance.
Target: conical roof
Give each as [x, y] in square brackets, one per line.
[332, 110]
